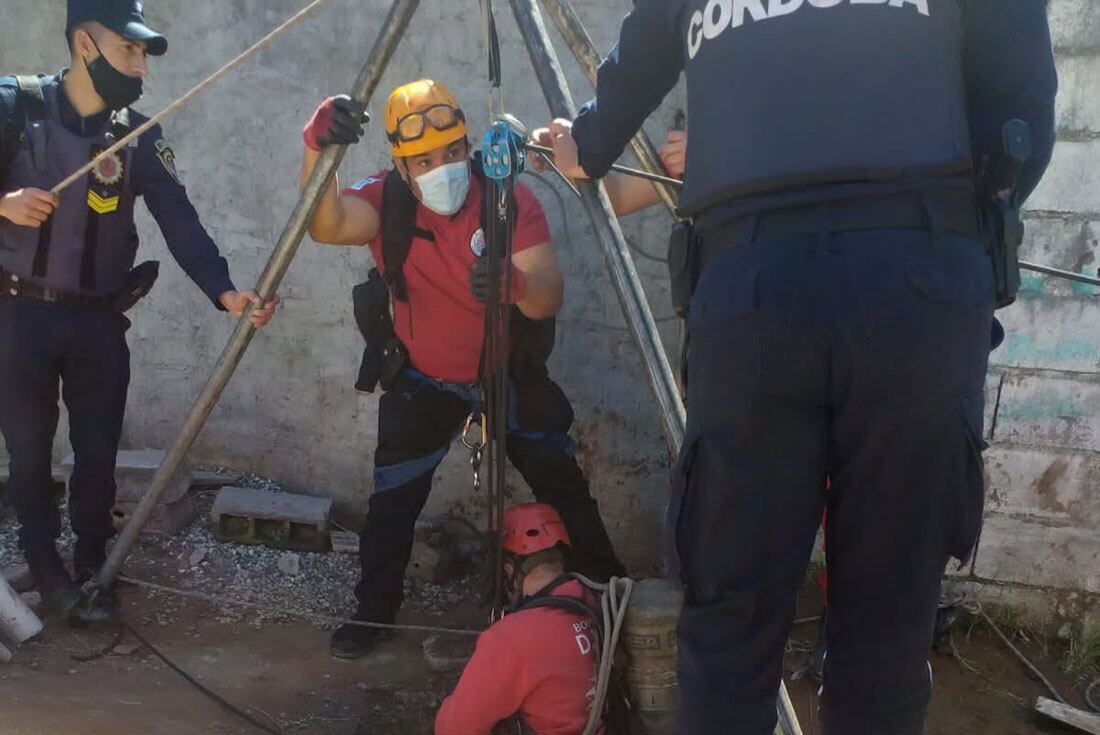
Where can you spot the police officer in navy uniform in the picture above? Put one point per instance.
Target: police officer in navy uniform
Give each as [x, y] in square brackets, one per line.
[66, 274]
[839, 325]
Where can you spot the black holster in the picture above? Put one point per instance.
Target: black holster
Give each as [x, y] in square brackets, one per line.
[1003, 232]
[136, 286]
[683, 266]
[384, 355]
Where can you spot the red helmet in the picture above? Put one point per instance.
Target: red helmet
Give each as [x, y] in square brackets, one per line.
[533, 527]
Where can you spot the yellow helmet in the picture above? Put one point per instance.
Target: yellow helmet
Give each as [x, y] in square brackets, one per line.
[422, 116]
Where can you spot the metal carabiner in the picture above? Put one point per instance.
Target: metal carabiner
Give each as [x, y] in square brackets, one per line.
[483, 423]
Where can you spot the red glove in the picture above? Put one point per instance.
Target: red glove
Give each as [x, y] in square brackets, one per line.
[336, 121]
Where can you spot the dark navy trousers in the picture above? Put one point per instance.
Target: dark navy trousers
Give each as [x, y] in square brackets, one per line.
[418, 419]
[44, 347]
[856, 356]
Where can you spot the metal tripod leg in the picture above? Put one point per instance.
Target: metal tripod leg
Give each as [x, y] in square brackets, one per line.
[393, 28]
[628, 285]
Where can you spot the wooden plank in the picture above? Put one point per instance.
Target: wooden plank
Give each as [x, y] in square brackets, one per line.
[1069, 715]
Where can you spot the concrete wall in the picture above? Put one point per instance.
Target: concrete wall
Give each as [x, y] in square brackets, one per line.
[1042, 530]
[291, 411]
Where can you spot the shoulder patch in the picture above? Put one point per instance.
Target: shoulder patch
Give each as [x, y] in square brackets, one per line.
[167, 158]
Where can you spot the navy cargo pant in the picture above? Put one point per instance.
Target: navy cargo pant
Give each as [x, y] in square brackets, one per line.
[418, 418]
[857, 356]
[84, 350]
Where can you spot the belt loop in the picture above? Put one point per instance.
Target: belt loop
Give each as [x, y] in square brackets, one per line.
[935, 218]
[823, 229]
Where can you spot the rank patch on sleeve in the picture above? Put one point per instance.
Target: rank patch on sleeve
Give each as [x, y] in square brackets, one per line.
[167, 158]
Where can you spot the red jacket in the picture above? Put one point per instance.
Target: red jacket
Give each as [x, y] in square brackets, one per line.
[538, 663]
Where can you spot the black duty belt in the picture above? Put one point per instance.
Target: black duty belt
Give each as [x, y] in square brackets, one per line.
[954, 212]
[13, 286]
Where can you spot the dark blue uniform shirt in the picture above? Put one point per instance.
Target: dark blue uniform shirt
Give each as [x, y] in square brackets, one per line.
[154, 178]
[1009, 74]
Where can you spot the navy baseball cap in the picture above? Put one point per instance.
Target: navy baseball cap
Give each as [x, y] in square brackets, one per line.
[124, 17]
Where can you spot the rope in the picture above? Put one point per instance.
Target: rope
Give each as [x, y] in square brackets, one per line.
[271, 610]
[1088, 695]
[613, 605]
[200, 87]
[225, 704]
[975, 608]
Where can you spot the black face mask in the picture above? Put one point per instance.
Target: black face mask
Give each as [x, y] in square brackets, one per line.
[116, 89]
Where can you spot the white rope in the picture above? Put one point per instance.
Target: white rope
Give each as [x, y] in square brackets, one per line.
[200, 87]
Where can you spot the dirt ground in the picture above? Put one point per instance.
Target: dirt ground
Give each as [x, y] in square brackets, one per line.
[277, 666]
[282, 674]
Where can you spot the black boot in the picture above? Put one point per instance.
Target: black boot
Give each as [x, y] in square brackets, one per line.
[59, 593]
[88, 558]
[355, 641]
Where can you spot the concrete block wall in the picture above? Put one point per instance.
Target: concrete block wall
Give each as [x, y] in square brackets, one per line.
[1041, 543]
[291, 411]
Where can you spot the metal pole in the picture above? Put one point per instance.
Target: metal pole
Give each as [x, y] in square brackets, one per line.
[632, 296]
[393, 28]
[661, 178]
[580, 43]
[552, 79]
[1057, 272]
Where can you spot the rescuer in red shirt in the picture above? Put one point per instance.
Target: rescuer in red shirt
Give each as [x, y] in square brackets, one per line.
[423, 314]
[533, 671]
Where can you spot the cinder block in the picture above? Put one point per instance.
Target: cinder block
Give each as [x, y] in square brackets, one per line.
[432, 564]
[1053, 486]
[1078, 105]
[167, 519]
[1059, 411]
[19, 577]
[1068, 243]
[134, 471]
[1071, 182]
[283, 520]
[1026, 551]
[1075, 24]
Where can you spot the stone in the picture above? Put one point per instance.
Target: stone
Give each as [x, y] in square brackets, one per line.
[290, 564]
[1065, 633]
[5, 654]
[282, 520]
[448, 653]
[196, 557]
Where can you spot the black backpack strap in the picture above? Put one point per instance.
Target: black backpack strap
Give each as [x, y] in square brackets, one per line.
[31, 97]
[398, 230]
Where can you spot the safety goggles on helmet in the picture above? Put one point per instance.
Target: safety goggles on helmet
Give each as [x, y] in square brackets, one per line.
[414, 125]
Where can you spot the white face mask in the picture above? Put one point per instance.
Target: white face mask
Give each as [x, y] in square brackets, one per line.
[443, 190]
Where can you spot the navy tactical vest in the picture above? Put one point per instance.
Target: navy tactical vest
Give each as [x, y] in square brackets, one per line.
[89, 243]
[795, 93]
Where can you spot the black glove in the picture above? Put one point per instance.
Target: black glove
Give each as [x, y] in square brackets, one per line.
[337, 121]
[479, 280]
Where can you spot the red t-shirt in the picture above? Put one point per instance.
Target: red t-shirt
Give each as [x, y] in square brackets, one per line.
[442, 324]
[538, 663]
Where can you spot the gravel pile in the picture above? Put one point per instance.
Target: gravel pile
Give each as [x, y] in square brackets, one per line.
[286, 581]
